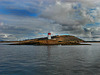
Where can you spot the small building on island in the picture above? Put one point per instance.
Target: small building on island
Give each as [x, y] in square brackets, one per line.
[49, 35]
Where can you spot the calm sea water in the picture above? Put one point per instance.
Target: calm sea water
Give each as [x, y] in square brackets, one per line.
[50, 60]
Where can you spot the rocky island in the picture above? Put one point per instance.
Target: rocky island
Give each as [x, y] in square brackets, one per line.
[53, 40]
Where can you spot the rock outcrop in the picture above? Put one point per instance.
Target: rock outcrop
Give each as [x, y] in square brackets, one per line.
[56, 40]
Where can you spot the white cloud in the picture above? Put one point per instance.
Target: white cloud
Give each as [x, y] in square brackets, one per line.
[1, 24]
[25, 27]
[71, 16]
[64, 16]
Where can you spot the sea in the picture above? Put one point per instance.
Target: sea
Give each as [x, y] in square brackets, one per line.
[50, 60]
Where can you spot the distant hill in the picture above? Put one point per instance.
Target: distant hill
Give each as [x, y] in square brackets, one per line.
[56, 40]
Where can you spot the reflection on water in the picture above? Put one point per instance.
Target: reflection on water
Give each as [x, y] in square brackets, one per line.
[48, 52]
[50, 60]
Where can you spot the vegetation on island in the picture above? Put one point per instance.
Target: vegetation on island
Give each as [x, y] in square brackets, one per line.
[55, 40]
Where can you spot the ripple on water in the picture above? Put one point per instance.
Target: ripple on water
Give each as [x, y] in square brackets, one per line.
[50, 60]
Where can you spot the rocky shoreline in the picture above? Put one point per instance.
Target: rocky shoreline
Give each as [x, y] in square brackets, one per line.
[56, 40]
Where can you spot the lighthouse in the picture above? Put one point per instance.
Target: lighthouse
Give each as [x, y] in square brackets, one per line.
[49, 35]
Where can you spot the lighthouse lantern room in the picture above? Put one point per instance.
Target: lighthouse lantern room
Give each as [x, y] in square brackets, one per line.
[49, 35]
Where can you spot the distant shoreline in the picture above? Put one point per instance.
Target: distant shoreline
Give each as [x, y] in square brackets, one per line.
[92, 42]
[56, 40]
[21, 41]
[9, 41]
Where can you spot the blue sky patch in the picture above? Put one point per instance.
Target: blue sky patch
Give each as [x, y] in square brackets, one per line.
[18, 12]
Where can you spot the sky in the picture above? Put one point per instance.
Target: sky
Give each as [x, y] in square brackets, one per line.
[28, 19]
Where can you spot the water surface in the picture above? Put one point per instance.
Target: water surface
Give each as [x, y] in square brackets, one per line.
[50, 60]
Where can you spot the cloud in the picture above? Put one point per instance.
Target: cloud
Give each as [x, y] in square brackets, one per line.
[71, 16]
[30, 18]
[1, 24]
[2, 35]
[25, 27]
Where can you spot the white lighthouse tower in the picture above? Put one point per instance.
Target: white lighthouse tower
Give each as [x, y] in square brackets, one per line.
[49, 35]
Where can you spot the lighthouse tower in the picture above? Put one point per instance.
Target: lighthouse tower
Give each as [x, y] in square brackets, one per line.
[49, 35]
